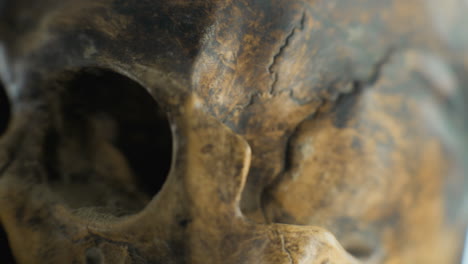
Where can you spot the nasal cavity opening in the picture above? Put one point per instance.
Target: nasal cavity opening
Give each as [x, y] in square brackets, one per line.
[102, 111]
[5, 110]
[6, 254]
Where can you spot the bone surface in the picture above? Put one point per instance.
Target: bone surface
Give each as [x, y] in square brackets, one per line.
[247, 131]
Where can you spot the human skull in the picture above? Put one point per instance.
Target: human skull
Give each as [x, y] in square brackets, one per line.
[233, 131]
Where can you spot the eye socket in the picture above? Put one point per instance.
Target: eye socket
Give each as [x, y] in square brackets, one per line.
[98, 110]
[5, 110]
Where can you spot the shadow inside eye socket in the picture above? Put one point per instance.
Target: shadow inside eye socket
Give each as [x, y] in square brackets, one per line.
[5, 110]
[111, 146]
[129, 116]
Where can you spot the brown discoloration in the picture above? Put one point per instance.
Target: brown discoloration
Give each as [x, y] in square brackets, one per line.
[194, 182]
[386, 158]
[353, 111]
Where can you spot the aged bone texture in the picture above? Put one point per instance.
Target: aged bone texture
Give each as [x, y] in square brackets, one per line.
[233, 131]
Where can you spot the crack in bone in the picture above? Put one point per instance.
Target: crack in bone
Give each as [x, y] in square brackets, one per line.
[280, 52]
[284, 248]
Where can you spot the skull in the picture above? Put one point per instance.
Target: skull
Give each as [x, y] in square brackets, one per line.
[233, 131]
